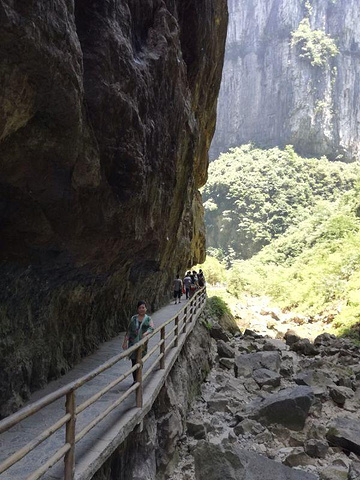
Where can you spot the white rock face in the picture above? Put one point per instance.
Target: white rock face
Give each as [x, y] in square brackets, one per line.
[271, 96]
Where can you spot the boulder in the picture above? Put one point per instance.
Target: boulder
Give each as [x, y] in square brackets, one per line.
[354, 470]
[289, 361]
[340, 394]
[317, 431]
[263, 376]
[251, 333]
[345, 382]
[218, 403]
[224, 350]
[291, 337]
[289, 407]
[273, 344]
[314, 378]
[248, 426]
[298, 457]
[196, 428]
[227, 363]
[334, 473]
[316, 448]
[228, 323]
[297, 439]
[245, 364]
[215, 462]
[305, 347]
[218, 333]
[324, 339]
[317, 379]
[345, 433]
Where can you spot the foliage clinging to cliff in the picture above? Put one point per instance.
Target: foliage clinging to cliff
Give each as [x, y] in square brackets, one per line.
[253, 195]
[315, 45]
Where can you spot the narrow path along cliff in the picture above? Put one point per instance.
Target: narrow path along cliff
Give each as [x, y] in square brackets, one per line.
[93, 449]
[275, 408]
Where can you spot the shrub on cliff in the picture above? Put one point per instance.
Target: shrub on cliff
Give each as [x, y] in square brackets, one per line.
[315, 45]
[220, 311]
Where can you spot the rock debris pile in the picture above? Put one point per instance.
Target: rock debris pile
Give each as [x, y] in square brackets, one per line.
[276, 409]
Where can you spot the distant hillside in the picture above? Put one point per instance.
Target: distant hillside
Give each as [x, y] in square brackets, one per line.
[314, 268]
[253, 196]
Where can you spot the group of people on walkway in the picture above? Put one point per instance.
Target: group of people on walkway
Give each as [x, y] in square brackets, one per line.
[141, 324]
[188, 286]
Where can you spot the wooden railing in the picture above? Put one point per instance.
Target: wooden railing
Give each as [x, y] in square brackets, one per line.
[69, 392]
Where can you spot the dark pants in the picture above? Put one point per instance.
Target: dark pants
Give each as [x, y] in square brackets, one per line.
[187, 292]
[133, 362]
[177, 294]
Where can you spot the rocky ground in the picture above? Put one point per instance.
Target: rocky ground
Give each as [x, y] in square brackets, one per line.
[283, 408]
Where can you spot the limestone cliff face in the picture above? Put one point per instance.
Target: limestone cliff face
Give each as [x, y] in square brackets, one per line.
[107, 110]
[272, 94]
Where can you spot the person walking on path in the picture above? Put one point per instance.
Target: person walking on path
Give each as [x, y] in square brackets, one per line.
[187, 283]
[140, 326]
[178, 285]
[194, 283]
[201, 278]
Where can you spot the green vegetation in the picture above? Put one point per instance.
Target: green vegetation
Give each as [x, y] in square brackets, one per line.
[215, 270]
[289, 228]
[253, 196]
[315, 45]
[218, 307]
[219, 310]
[314, 268]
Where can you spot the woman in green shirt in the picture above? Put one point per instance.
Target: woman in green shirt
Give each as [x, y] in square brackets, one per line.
[140, 326]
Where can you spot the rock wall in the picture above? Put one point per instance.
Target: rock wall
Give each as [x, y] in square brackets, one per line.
[272, 95]
[152, 452]
[107, 110]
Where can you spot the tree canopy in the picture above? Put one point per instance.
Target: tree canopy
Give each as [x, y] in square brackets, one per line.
[253, 196]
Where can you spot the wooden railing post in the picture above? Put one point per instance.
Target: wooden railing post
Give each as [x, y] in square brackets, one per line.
[185, 319]
[139, 392]
[162, 348]
[176, 331]
[69, 458]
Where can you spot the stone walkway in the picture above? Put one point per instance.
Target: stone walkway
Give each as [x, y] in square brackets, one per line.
[100, 440]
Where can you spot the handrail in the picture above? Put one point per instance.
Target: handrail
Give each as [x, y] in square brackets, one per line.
[72, 411]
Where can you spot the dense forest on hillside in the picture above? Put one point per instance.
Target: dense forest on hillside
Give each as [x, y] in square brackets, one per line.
[253, 196]
[314, 267]
[289, 228]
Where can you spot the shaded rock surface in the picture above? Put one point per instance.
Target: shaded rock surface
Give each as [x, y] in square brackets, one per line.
[246, 364]
[241, 414]
[345, 433]
[224, 350]
[263, 376]
[232, 463]
[289, 407]
[107, 110]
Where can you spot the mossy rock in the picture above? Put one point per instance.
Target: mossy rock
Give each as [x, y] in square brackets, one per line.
[221, 312]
